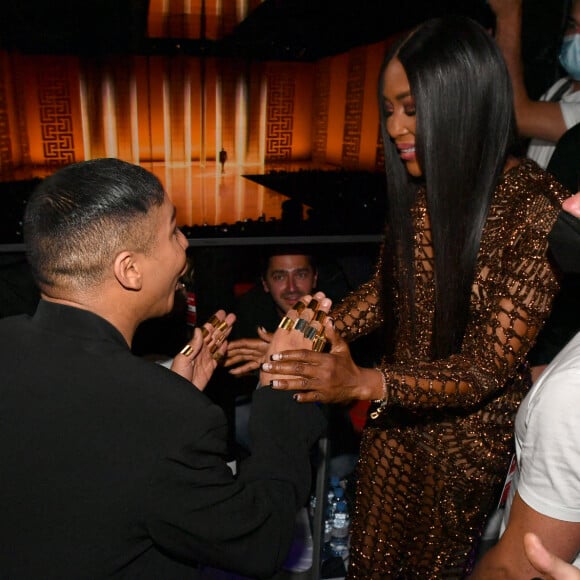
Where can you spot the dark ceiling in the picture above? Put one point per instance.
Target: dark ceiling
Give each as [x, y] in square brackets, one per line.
[288, 29]
[295, 30]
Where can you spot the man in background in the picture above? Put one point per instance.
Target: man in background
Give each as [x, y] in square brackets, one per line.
[288, 272]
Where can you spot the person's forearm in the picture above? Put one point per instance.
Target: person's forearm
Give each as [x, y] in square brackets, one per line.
[508, 37]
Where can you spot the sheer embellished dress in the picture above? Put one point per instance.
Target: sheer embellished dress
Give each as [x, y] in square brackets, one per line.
[432, 463]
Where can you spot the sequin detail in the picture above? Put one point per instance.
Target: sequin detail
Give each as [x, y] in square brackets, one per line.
[432, 464]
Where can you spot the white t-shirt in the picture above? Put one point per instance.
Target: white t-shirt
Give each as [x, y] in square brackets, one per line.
[541, 151]
[547, 434]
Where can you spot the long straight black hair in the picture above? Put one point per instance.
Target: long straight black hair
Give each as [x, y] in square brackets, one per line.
[465, 130]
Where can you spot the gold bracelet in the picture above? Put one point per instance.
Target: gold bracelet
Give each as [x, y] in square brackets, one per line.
[382, 403]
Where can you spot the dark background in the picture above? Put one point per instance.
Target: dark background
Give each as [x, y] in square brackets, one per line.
[295, 30]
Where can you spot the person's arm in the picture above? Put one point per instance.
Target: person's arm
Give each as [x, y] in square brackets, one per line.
[512, 299]
[546, 562]
[508, 560]
[547, 498]
[199, 512]
[537, 119]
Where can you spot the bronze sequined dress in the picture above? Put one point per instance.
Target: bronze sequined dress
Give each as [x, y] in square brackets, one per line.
[432, 464]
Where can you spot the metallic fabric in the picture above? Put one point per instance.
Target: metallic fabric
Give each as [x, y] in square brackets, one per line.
[433, 461]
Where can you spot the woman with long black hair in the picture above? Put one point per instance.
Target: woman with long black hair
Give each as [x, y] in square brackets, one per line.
[461, 290]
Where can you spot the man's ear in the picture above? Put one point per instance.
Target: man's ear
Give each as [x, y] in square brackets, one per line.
[264, 285]
[127, 270]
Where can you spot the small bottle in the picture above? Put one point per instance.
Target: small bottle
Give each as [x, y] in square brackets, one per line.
[339, 539]
[337, 495]
[312, 506]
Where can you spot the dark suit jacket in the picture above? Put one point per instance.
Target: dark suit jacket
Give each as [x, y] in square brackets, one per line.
[113, 466]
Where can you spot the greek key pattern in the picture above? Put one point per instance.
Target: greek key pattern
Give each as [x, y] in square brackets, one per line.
[5, 145]
[280, 118]
[320, 130]
[354, 108]
[56, 121]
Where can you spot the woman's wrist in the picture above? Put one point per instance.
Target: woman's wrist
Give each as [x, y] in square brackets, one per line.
[372, 385]
[383, 401]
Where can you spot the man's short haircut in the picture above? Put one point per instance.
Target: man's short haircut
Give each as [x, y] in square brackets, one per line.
[287, 250]
[79, 218]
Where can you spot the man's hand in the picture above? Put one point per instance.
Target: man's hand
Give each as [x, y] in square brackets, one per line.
[247, 353]
[547, 563]
[199, 358]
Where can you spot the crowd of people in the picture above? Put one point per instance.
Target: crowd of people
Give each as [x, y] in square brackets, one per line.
[116, 466]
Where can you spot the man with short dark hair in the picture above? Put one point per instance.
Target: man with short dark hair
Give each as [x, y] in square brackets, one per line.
[113, 466]
[286, 274]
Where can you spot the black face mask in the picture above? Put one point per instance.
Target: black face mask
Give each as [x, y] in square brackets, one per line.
[564, 242]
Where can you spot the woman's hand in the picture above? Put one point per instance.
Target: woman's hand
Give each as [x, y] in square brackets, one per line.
[331, 377]
[199, 358]
[248, 353]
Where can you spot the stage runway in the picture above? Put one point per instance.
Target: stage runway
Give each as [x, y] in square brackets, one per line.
[203, 195]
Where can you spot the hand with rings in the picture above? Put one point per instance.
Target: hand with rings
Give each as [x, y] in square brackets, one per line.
[302, 328]
[308, 356]
[198, 359]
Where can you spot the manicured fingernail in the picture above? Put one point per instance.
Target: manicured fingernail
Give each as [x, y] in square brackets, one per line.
[262, 328]
[296, 397]
[266, 366]
[276, 356]
[274, 383]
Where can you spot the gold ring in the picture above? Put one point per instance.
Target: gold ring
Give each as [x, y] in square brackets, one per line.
[319, 343]
[286, 323]
[299, 306]
[313, 305]
[186, 350]
[222, 326]
[214, 320]
[320, 317]
[204, 331]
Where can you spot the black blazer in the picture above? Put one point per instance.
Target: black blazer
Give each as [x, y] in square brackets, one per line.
[114, 466]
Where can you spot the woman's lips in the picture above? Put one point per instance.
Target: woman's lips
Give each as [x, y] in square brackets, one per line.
[407, 151]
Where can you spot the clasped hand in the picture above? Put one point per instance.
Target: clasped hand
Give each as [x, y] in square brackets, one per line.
[293, 364]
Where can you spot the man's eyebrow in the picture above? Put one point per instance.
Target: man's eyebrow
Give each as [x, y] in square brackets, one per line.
[288, 270]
